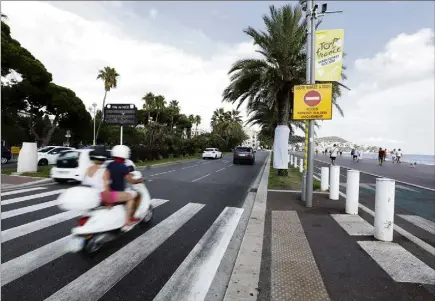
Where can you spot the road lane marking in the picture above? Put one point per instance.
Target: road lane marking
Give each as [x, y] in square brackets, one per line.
[192, 279]
[93, 284]
[290, 252]
[206, 162]
[31, 197]
[220, 169]
[12, 213]
[22, 191]
[189, 167]
[423, 223]
[401, 265]
[201, 177]
[162, 173]
[230, 165]
[37, 225]
[354, 225]
[20, 266]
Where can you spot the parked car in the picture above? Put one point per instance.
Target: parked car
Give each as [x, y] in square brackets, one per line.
[6, 154]
[243, 154]
[48, 155]
[212, 153]
[73, 164]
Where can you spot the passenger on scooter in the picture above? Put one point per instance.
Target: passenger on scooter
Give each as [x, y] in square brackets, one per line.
[116, 176]
[96, 174]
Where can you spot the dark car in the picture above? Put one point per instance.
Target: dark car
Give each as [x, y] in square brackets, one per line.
[6, 155]
[244, 154]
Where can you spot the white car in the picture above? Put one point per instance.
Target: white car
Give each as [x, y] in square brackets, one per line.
[212, 153]
[48, 155]
[73, 164]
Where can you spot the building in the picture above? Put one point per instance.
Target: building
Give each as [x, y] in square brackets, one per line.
[252, 138]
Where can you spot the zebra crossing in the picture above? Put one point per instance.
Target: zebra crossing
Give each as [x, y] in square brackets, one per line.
[93, 279]
[398, 260]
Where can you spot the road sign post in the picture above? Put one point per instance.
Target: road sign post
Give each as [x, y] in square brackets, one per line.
[120, 115]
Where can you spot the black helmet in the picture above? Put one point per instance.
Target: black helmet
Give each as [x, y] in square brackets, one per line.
[98, 154]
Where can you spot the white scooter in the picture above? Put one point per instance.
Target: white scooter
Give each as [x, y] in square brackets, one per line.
[99, 225]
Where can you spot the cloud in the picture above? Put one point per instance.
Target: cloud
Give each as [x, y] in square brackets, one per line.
[153, 13]
[392, 97]
[73, 49]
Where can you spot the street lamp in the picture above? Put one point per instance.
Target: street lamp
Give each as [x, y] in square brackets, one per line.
[93, 110]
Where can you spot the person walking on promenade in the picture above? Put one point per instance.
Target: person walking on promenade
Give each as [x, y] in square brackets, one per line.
[381, 156]
[326, 151]
[353, 154]
[399, 155]
[334, 153]
[358, 154]
[341, 153]
[385, 155]
[393, 155]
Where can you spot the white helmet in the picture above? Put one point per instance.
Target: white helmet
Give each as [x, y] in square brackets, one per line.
[120, 151]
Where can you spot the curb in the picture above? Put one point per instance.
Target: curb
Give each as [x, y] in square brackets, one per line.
[243, 284]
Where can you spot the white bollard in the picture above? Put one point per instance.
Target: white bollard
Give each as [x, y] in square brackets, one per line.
[295, 165]
[301, 166]
[28, 158]
[324, 177]
[384, 209]
[334, 184]
[352, 191]
[291, 159]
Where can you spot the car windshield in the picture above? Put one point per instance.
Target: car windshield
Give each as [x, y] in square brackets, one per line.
[209, 149]
[69, 155]
[45, 149]
[243, 149]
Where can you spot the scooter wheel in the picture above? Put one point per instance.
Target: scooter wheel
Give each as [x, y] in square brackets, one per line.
[93, 244]
[149, 215]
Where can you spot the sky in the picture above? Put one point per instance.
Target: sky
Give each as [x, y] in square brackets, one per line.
[183, 50]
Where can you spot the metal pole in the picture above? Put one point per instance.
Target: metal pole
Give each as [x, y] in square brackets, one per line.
[121, 134]
[310, 161]
[94, 125]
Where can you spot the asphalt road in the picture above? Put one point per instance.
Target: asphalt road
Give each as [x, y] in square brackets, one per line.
[182, 235]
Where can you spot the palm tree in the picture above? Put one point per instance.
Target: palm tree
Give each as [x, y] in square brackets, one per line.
[219, 115]
[173, 110]
[110, 78]
[271, 79]
[160, 104]
[197, 122]
[149, 104]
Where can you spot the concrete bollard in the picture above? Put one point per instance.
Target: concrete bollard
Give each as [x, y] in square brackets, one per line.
[324, 177]
[334, 184]
[352, 191]
[28, 158]
[384, 209]
[291, 159]
[295, 165]
[301, 165]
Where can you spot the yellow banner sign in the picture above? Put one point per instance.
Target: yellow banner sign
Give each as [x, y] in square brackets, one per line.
[312, 102]
[15, 150]
[329, 54]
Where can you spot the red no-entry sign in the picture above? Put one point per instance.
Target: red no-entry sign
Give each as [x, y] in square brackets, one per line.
[312, 98]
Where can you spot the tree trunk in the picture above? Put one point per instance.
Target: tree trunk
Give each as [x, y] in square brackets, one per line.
[283, 116]
[47, 138]
[102, 116]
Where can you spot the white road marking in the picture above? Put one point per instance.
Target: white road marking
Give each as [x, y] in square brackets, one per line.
[354, 225]
[220, 169]
[28, 209]
[401, 265]
[424, 245]
[37, 225]
[31, 197]
[206, 162]
[423, 223]
[20, 266]
[22, 191]
[230, 165]
[93, 284]
[192, 279]
[201, 177]
[189, 167]
[161, 173]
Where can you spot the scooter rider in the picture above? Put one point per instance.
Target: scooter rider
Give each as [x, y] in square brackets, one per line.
[117, 176]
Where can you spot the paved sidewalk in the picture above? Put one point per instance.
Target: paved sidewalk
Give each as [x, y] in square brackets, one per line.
[8, 181]
[322, 254]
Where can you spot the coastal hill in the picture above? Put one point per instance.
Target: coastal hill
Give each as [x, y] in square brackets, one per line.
[331, 139]
[343, 144]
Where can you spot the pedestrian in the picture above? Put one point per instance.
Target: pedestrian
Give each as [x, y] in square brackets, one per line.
[326, 151]
[317, 151]
[341, 153]
[399, 155]
[358, 155]
[334, 153]
[381, 156]
[385, 155]
[393, 155]
[353, 154]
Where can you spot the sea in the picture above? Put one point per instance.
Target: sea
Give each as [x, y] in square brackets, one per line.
[419, 159]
